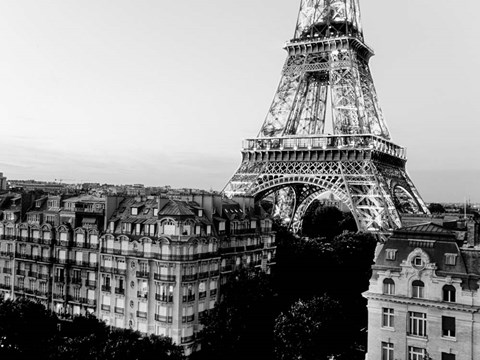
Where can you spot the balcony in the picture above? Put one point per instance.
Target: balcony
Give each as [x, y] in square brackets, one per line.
[8, 254]
[120, 291]
[62, 261]
[119, 310]
[5, 287]
[202, 295]
[188, 298]
[107, 269]
[60, 279]
[59, 296]
[93, 246]
[64, 243]
[161, 277]
[32, 274]
[213, 292]
[43, 276]
[7, 270]
[203, 275]
[46, 259]
[188, 319]
[106, 288]
[92, 265]
[164, 319]
[142, 314]
[120, 271]
[142, 294]
[20, 272]
[164, 298]
[23, 256]
[322, 143]
[91, 283]
[143, 274]
[19, 288]
[105, 307]
[214, 273]
[187, 339]
[189, 277]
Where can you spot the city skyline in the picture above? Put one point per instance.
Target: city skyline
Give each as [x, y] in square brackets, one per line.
[92, 91]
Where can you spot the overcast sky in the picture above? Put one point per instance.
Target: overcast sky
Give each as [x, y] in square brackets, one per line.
[163, 92]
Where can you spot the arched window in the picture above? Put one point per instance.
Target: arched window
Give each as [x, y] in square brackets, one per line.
[417, 289]
[388, 287]
[449, 293]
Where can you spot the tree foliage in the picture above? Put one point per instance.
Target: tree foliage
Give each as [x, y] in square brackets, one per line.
[436, 208]
[241, 325]
[326, 221]
[29, 331]
[310, 330]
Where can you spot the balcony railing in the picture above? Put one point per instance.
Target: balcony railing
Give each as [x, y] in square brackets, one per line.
[5, 287]
[161, 277]
[32, 274]
[187, 339]
[59, 296]
[107, 288]
[143, 274]
[365, 142]
[142, 294]
[164, 319]
[91, 283]
[20, 272]
[105, 307]
[76, 280]
[60, 279]
[213, 292]
[164, 298]
[8, 254]
[120, 291]
[187, 298]
[189, 277]
[187, 319]
[142, 314]
[108, 269]
[120, 271]
[202, 295]
[119, 310]
[43, 276]
[7, 270]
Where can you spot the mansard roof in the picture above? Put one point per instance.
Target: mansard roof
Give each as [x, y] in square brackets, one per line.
[425, 231]
[176, 208]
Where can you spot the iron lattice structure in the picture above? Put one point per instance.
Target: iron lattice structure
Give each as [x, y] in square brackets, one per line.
[326, 81]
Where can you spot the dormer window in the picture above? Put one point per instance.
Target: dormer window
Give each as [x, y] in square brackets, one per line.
[200, 212]
[134, 211]
[450, 259]
[391, 254]
[418, 262]
[155, 212]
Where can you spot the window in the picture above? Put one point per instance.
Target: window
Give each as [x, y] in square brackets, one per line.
[446, 356]
[387, 351]
[134, 211]
[417, 262]
[450, 259]
[391, 254]
[448, 326]
[417, 324]
[415, 353]
[388, 317]
[388, 287]
[449, 293]
[417, 289]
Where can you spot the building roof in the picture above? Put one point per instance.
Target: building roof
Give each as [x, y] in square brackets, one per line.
[176, 208]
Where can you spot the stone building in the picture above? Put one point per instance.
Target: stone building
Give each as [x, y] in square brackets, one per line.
[423, 299]
[151, 264]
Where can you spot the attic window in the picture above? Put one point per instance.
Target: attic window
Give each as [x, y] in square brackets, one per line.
[145, 212]
[134, 211]
[450, 259]
[391, 254]
[155, 212]
[200, 212]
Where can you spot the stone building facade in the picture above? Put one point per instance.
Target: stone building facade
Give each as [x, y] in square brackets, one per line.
[423, 298]
[151, 264]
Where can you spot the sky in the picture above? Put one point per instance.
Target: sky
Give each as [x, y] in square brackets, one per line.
[163, 92]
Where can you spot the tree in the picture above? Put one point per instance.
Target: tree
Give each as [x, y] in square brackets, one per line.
[310, 330]
[241, 325]
[27, 330]
[436, 208]
[326, 221]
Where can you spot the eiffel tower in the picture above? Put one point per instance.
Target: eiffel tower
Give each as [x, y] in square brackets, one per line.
[325, 132]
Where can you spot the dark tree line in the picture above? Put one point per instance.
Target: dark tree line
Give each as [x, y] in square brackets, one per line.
[29, 331]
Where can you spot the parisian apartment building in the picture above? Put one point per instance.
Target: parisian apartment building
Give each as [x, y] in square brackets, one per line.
[152, 264]
[423, 298]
